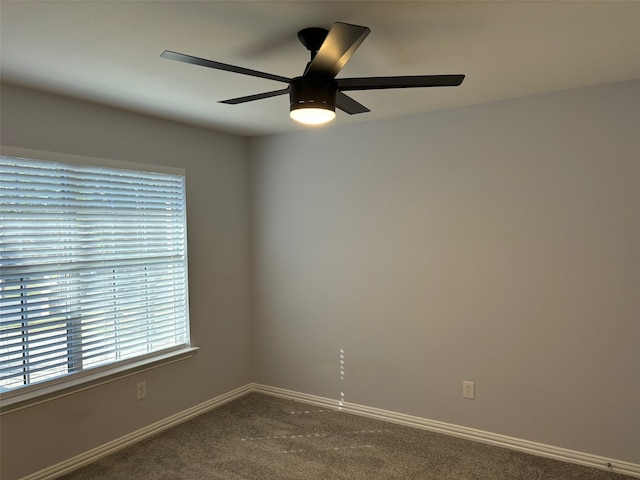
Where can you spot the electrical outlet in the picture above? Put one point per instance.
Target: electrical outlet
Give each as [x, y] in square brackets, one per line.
[141, 390]
[469, 390]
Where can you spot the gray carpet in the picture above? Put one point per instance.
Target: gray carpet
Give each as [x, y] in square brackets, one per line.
[265, 438]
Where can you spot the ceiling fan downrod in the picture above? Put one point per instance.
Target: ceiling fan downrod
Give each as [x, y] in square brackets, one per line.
[313, 38]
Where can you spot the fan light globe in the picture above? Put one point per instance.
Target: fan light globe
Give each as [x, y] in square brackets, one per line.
[312, 116]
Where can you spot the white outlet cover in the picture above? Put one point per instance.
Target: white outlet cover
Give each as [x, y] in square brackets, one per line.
[469, 390]
[141, 390]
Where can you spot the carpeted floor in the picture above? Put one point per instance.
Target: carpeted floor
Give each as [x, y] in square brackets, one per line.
[258, 437]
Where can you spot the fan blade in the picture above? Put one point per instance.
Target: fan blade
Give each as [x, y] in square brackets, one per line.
[375, 83]
[258, 96]
[181, 57]
[349, 105]
[342, 41]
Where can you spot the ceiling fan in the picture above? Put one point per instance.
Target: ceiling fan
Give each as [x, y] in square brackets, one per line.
[315, 95]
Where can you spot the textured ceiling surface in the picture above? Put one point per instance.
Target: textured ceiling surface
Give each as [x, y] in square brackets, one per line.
[109, 52]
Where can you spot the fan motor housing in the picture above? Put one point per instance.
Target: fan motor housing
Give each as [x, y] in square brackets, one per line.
[313, 92]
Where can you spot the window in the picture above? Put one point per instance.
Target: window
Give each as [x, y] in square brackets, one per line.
[93, 269]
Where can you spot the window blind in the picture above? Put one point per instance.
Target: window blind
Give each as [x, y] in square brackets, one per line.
[92, 268]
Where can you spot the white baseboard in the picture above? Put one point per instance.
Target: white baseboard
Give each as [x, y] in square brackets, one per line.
[94, 454]
[534, 448]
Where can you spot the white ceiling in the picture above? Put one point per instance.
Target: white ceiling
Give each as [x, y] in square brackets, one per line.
[109, 52]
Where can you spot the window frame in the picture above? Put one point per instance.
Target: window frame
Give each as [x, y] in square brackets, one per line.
[46, 390]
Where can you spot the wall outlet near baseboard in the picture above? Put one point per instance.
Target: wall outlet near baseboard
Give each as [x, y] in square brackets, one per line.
[469, 390]
[141, 390]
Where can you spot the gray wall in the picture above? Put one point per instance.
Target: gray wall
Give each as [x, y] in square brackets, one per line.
[216, 166]
[495, 243]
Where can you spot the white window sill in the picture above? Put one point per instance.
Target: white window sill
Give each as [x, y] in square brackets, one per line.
[10, 401]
